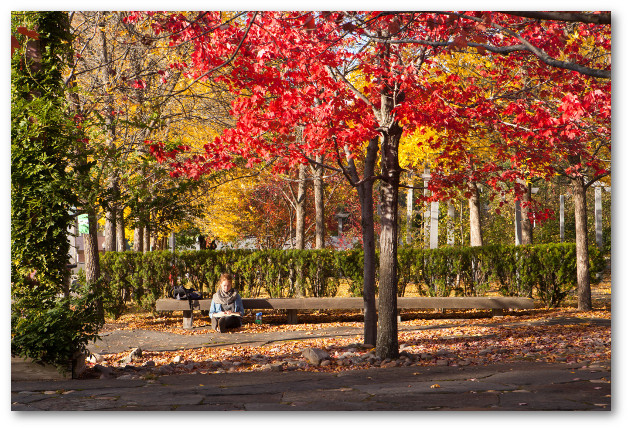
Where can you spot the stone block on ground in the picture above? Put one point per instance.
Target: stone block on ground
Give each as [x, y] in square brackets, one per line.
[315, 355]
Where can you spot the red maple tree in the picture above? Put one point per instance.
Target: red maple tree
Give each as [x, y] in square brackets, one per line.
[346, 78]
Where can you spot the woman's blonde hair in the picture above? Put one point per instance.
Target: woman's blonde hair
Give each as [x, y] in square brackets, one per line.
[226, 277]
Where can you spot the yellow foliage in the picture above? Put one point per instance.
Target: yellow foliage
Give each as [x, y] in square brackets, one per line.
[414, 151]
[224, 213]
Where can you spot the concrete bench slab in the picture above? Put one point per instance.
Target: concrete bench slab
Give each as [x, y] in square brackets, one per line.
[291, 305]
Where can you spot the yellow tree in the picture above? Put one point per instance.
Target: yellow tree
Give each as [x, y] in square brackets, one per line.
[122, 95]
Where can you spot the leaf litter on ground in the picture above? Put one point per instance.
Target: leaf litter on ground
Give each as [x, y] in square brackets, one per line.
[429, 338]
[426, 338]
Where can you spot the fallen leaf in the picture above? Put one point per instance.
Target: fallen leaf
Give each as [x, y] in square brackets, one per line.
[470, 335]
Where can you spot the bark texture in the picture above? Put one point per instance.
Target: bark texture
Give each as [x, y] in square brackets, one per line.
[300, 208]
[90, 252]
[581, 245]
[526, 224]
[121, 245]
[474, 205]
[387, 336]
[318, 195]
[365, 189]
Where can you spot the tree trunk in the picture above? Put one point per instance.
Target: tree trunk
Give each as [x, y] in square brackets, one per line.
[90, 240]
[154, 241]
[410, 191]
[450, 223]
[90, 252]
[461, 221]
[111, 213]
[387, 335]
[299, 208]
[427, 212]
[121, 245]
[369, 263]
[112, 180]
[146, 239]
[110, 231]
[138, 239]
[300, 204]
[318, 192]
[369, 246]
[581, 244]
[474, 205]
[366, 200]
[526, 224]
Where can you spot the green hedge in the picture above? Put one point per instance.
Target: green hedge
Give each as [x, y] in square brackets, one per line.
[546, 272]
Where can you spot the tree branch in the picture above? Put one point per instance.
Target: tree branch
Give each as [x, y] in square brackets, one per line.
[525, 45]
[588, 18]
[226, 62]
[336, 75]
[595, 179]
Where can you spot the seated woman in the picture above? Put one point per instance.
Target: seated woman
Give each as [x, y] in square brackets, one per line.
[226, 309]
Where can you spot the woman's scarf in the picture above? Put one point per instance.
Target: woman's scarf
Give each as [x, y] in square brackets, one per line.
[223, 298]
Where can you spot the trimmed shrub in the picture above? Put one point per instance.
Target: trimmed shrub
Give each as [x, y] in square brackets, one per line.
[546, 272]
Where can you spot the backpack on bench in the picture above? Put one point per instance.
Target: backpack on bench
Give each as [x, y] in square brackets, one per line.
[181, 293]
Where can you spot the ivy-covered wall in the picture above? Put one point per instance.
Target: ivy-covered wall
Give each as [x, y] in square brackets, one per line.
[47, 324]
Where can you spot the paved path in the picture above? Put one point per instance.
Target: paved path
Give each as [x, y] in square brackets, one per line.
[148, 340]
[509, 386]
[514, 387]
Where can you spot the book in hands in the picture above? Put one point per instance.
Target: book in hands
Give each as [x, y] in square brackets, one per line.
[223, 314]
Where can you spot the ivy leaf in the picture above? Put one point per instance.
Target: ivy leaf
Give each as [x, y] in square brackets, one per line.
[28, 33]
[14, 44]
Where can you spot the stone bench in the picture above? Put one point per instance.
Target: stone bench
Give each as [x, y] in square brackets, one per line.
[495, 303]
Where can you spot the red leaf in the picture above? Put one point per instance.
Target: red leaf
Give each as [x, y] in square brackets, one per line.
[309, 24]
[348, 26]
[139, 83]
[460, 42]
[14, 44]
[28, 33]
[393, 27]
